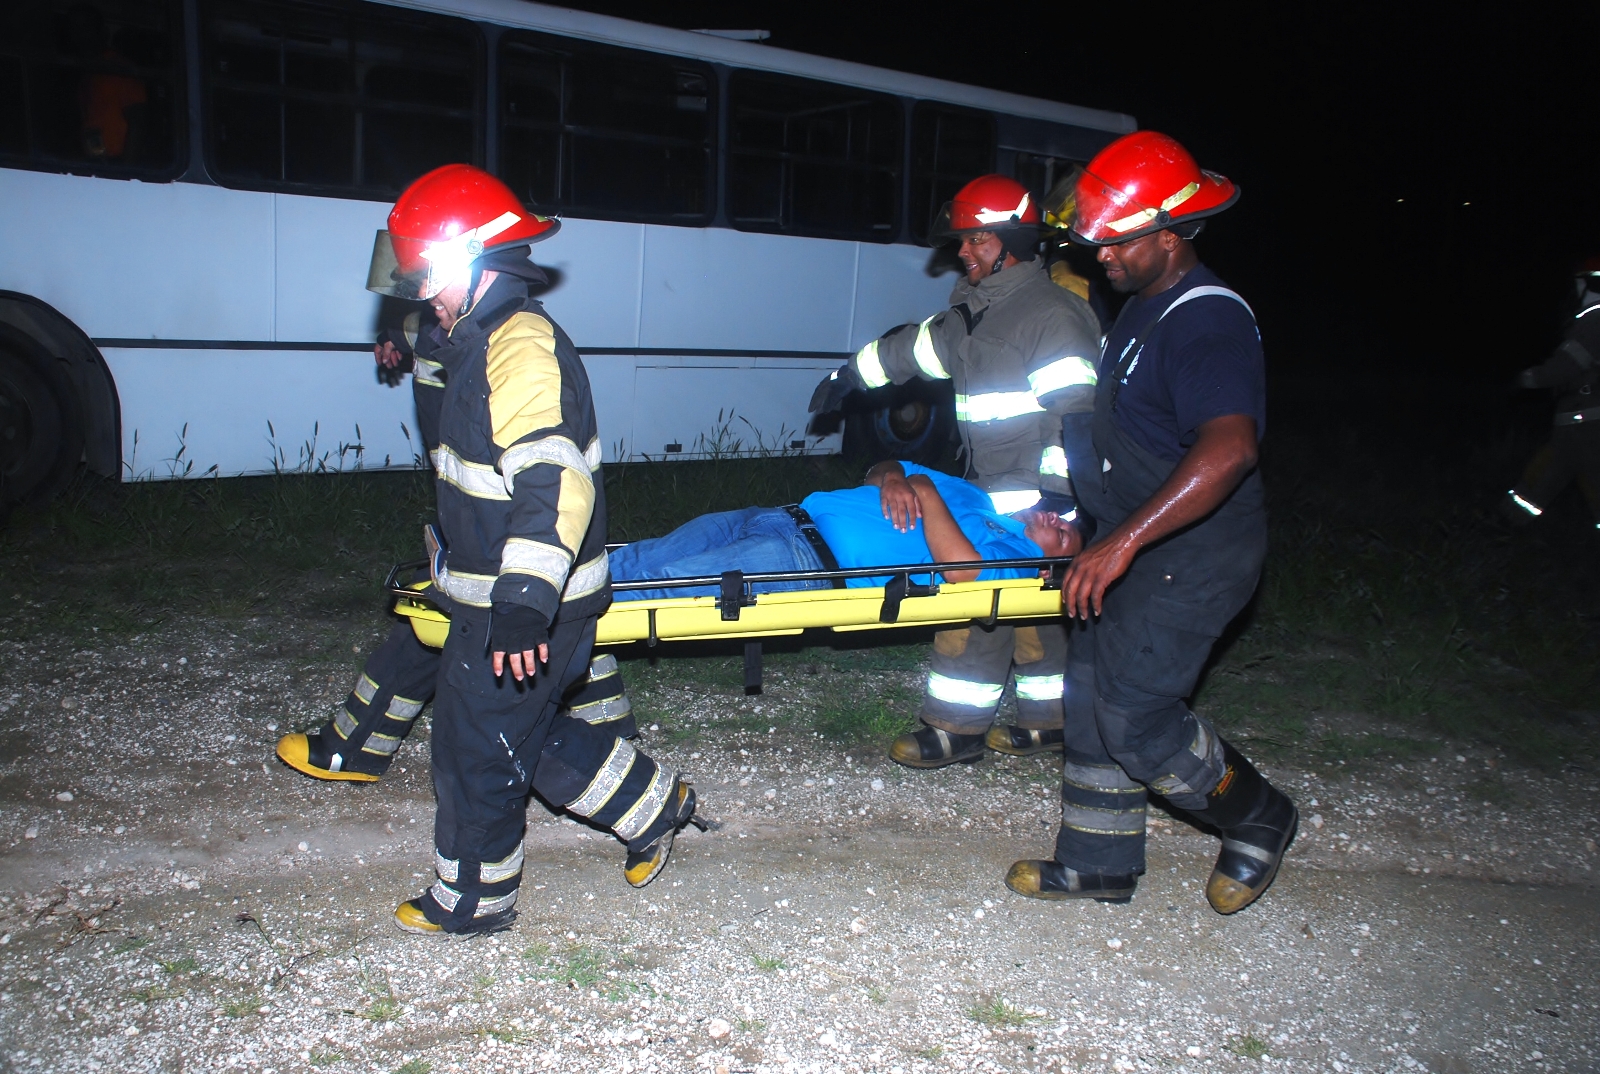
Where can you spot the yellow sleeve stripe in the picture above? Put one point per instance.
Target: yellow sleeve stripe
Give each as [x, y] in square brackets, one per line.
[575, 508]
[524, 378]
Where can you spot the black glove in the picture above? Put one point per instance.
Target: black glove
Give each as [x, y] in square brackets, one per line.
[829, 396]
[517, 628]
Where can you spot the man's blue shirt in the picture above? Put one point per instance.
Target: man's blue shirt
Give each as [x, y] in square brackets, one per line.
[1203, 362]
[852, 522]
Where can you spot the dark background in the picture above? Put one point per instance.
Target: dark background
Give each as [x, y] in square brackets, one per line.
[1484, 119]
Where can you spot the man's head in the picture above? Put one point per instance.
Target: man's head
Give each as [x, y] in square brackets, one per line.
[1587, 279]
[443, 232]
[1054, 535]
[1139, 263]
[997, 223]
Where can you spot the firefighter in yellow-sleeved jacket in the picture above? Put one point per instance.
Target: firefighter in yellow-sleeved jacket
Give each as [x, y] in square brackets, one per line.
[1020, 353]
[519, 553]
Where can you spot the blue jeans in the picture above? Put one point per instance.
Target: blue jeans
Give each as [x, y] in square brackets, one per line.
[756, 540]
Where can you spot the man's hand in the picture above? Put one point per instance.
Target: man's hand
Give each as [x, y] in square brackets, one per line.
[1092, 572]
[830, 394]
[899, 501]
[518, 631]
[1224, 452]
[387, 354]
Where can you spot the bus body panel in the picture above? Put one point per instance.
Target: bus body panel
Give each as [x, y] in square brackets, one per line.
[731, 290]
[140, 260]
[320, 253]
[897, 285]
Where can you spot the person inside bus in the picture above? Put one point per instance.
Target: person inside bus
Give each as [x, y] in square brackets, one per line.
[112, 101]
[902, 514]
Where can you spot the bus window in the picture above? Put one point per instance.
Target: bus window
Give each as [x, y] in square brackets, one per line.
[812, 158]
[1040, 173]
[356, 100]
[606, 132]
[92, 87]
[949, 148]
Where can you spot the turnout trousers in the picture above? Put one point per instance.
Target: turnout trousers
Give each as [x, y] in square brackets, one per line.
[970, 667]
[399, 680]
[1573, 453]
[495, 740]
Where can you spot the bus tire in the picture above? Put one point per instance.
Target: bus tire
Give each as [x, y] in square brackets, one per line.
[912, 422]
[32, 430]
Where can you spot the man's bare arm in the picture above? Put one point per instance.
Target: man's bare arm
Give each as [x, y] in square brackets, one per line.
[899, 503]
[945, 539]
[1222, 455]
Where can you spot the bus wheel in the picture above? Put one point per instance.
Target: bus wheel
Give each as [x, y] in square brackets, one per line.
[914, 423]
[32, 429]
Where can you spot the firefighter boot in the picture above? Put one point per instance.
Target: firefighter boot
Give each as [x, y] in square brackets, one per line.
[1257, 822]
[425, 917]
[1052, 880]
[648, 854]
[934, 747]
[308, 754]
[1023, 741]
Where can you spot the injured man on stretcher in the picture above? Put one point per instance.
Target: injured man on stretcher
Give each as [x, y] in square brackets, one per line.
[902, 514]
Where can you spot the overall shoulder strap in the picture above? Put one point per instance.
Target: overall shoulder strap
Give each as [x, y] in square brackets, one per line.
[1202, 292]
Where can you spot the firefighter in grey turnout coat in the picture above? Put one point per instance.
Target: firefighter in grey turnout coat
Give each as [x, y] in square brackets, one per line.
[359, 743]
[519, 552]
[1020, 352]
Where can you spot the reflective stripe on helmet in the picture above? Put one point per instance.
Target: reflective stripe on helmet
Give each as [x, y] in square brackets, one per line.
[870, 367]
[977, 695]
[1001, 216]
[996, 406]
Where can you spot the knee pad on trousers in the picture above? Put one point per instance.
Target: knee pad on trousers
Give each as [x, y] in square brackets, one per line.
[1174, 752]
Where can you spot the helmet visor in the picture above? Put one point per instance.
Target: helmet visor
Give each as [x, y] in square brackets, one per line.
[1061, 204]
[401, 269]
[1105, 214]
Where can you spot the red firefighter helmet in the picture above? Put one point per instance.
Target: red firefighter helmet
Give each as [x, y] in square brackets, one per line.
[1141, 183]
[988, 203]
[441, 224]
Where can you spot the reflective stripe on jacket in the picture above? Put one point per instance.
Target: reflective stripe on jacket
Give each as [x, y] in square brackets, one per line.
[1020, 352]
[521, 501]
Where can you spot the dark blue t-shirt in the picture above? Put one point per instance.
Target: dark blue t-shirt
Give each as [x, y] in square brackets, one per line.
[852, 522]
[1202, 362]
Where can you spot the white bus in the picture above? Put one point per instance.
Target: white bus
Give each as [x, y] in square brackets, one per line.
[189, 190]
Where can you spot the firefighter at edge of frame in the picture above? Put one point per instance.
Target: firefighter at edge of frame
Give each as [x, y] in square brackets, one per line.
[519, 554]
[360, 742]
[1573, 450]
[1173, 489]
[1020, 352]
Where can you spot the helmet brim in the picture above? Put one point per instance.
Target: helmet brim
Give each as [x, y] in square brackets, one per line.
[1161, 221]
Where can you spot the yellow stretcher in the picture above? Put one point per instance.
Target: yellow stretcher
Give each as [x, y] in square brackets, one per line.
[738, 613]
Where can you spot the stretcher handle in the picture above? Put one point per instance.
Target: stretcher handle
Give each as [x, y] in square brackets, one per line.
[396, 588]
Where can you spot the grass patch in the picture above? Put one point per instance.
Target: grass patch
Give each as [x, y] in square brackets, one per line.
[930, 1053]
[536, 952]
[582, 967]
[383, 1009]
[178, 966]
[997, 1012]
[750, 1025]
[1491, 790]
[325, 1059]
[877, 995]
[132, 943]
[879, 719]
[414, 1066]
[243, 1007]
[767, 963]
[1248, 1046]
[511, 1035]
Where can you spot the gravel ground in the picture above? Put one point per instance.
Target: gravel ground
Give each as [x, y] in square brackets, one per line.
[173, 899]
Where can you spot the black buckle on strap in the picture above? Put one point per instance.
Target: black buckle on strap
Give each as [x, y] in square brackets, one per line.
[733, 596]
[899, 588]
[808, 530]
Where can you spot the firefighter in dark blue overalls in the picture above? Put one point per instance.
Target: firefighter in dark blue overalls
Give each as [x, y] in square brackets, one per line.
[1181, 534]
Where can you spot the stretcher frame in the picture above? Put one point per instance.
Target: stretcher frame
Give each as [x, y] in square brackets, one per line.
[736, 612]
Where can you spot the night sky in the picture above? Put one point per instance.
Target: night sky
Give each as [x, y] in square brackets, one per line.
[1485, 119]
